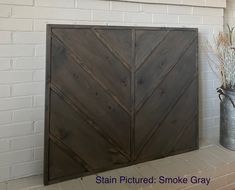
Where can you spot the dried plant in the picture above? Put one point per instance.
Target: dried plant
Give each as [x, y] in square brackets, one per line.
[223, 64]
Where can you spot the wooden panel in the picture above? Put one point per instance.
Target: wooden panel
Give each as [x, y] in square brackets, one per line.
[118, 41]
[178, 119]
[79, 131]
[117, 96]
[147, 43]
[86, 93]
[61, 164]
[99, 59]
[160, 62]
[164, 96]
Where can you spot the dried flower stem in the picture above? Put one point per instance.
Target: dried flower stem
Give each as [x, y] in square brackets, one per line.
[224, 65]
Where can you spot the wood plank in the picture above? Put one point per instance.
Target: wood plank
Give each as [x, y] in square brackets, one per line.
[47, 106]
[164, 96]
[119, 40]
[60, 164]
[89, 96]
[147, 41]
[99, 60]
[161, 61]
[88, 120]
[132, 91]
[71, 129]
[187, 130]
[172, 126]
[185, 139]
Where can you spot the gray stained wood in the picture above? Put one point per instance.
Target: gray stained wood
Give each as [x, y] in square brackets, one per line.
[117, 96]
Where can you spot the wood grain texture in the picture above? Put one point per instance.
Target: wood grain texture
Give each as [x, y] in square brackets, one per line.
[117, 96]
[99, 60]
[78, 131]
[164, 96]
[86, 93]
[61, 163]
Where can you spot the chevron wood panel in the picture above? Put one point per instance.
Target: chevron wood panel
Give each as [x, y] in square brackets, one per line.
[169, 76]
[85, 92]
[117, 96]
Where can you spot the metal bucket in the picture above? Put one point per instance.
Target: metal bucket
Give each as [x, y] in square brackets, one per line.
[227, 118]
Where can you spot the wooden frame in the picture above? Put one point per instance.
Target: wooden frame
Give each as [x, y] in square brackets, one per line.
[143, 135]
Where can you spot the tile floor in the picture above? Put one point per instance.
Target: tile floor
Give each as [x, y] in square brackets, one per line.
[212, 161]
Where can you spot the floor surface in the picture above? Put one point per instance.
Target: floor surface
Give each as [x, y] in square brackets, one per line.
[210, 162]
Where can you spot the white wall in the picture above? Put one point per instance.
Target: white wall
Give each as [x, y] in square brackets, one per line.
[201, 3]
[229, 16]
[22, 63]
